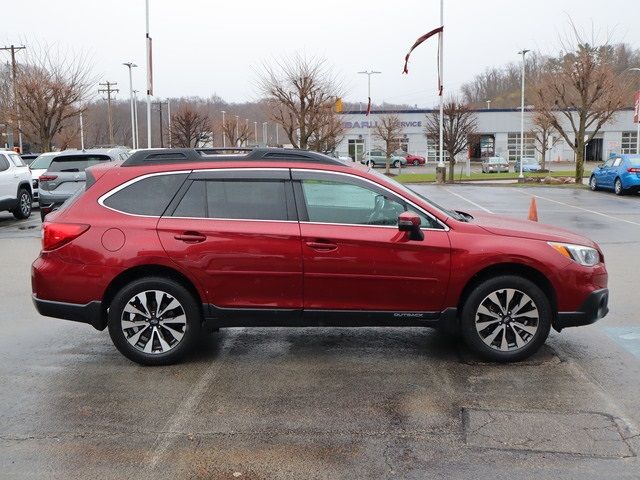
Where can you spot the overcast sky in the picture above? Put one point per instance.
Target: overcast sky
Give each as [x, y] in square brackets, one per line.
[205, 47]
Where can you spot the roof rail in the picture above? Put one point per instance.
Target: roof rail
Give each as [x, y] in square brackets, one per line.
[239, 154]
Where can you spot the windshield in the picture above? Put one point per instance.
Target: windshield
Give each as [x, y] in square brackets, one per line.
[408, 190]
[76, 163]
[43, 161]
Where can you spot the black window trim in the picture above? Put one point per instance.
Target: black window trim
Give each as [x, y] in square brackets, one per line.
[299, 174]
[238, 174]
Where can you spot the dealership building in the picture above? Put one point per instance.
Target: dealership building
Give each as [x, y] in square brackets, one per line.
[497, 134]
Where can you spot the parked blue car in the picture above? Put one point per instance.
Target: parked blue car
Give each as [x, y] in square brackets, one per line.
[621, 173]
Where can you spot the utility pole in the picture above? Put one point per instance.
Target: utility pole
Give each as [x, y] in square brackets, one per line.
[169, 120]
[522, 52]
[135, 116]
[13, 49]
[160, 104]
[109, 90]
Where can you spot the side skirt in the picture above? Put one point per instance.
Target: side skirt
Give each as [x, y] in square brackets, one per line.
[217, 317]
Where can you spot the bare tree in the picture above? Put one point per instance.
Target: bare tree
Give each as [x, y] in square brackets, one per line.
[189, 127]
[237, 132]
[578, 93]
[459, 125]
[300, 94]
[388, 129]
[328, 135]
[543, 136]
[51, 90]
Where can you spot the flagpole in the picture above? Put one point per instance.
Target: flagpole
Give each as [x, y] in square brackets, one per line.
[149, 74]
[368, 73]
[440, 87]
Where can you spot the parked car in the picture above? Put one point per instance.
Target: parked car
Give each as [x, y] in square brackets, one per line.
[28, 158]
[415, 160]
[171, 243]
[15, 185]
[38, 167]
[529, 164]
[494, 164]
[66, 174]
[379, 158]
[620, 174]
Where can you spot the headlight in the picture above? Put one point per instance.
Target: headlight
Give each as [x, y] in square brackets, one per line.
[586, 256]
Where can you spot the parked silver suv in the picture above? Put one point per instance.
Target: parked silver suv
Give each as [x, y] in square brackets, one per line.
[15, 185]
[66, 174]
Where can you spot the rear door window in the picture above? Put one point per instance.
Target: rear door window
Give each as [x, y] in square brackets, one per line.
[4, 163]
[149, 196]
[243, 199]
[76, 163]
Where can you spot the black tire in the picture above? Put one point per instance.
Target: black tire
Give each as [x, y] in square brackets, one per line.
[371, 164]
[593, 183]
[191, 330]
[396, 164]
[617, 187]
[23, 209]
[416, 163]
[479, 295]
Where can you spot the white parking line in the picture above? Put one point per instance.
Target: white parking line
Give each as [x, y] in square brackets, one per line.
[611, 217]
[467, 200]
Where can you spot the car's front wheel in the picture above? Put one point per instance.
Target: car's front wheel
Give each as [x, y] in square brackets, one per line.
[416, 163]
[23, 208]
[593, 183]
[154, 321]
[396, 163]
[506, 318]
[618, 188]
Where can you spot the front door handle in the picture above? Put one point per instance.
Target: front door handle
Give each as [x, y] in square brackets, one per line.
[191, 237]
[322, 246]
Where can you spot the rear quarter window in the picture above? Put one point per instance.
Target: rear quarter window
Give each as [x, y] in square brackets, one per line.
[149, 196]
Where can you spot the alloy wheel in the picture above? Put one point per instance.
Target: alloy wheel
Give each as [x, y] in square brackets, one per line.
[25, 204]
[618, 186]
[507, 320]
[593, 183]
[153, 322]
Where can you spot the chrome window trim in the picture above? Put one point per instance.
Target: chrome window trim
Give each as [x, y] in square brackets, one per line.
[445, 227]
[131, 182]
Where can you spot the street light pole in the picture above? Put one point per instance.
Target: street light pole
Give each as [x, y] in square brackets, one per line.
[224, 136]
[131, 65]
[81, 132]
[149, 75]
[264, 134]
[522, 52]
[368, 73]
[246, 141]
[169, 120]
[255, 132]
[441, 93]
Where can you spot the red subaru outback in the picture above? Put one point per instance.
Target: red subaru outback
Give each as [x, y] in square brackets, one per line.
[172, 243]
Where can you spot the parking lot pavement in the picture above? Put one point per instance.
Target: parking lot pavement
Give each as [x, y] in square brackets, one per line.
[331, 403]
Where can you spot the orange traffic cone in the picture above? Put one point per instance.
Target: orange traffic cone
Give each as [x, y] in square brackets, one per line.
[533, 210]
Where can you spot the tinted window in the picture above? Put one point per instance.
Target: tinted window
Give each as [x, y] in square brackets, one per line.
[149, 196]
[346, 203]
[76, 163]
[235, 199]
[617, 162]
[4, 163]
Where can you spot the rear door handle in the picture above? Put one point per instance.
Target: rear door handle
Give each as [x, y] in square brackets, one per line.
[191, 237]
[322, 246]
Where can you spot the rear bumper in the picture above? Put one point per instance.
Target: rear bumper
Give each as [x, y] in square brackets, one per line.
[593, 309]
[90, 313]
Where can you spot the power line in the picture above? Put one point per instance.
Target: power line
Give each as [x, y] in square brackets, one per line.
[108, 89]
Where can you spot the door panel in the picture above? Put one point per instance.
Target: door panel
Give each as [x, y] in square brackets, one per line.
[241, 263]
[8, 185]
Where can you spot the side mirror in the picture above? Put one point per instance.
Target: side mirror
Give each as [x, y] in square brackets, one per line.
[410, 222]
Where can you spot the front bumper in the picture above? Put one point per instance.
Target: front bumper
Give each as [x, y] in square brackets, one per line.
[90, 313]
[593, 309]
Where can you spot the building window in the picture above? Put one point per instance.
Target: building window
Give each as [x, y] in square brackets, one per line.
[402, 144]
[629, 144]
[513, 146]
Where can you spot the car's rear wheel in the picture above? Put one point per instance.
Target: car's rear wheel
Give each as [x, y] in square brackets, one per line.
[396, 163]
[617, 187]
[371, 164]
[506, 318]
[154, 321]
[23, 208]
[416, 163]
[593, 183]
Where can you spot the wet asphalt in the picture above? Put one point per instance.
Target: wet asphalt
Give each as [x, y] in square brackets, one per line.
[331, 403]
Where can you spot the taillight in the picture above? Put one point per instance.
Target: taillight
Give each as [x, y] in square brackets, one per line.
[59, 234]
[46, 178]
[633, 170]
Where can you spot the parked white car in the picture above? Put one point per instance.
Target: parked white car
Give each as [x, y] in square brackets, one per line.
[15, 185]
